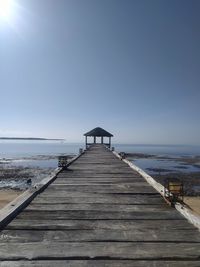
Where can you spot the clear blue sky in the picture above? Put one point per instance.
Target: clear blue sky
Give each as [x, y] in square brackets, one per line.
[129, 66]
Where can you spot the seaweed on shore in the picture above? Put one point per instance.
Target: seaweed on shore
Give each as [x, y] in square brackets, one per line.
[18, 177]
[139, 155]
[15, 176]
[159, 170]
[15, 173]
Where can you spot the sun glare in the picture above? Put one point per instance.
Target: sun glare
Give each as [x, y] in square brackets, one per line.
[6, 8]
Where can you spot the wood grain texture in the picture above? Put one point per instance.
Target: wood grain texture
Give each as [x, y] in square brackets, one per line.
[76, 198]
[131, 225]
[100, 263]
[100, 235]
[99, 212]
[112, 250]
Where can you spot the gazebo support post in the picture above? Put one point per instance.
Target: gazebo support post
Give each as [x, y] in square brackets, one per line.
[100, 133]
[86, 142]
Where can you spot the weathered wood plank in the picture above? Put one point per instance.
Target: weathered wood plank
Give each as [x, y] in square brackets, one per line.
[141, 234]
[101, 199]
[100, 215]
[98, 181]
[89, 174]
[132, 225]
[100, 263]
[99, 172]
[98, 207]
[111, 250]
[63, 194]
[102, 188]
[110, 185]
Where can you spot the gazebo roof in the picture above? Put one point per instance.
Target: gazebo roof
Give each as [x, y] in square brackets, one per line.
[98, 132]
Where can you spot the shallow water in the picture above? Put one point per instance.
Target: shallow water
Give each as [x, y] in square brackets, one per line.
[173, 154]
[39, 154]
[16, 149]
[32, 163]
[33, 154]
[15, 184]
[156, 166]
[160, 150]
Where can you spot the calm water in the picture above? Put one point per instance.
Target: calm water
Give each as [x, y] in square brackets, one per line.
[16, 149]
[156, 166]
[161, 150]
[35, 154]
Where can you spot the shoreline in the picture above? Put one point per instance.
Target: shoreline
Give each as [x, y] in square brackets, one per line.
[31, 139]
[14, 175]
[185, 168]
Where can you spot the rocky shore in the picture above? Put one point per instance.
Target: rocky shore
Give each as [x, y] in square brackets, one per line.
[22, 172]
[17, 175]
[190, 179]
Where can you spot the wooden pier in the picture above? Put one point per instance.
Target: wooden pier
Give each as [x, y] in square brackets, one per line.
[99, 212]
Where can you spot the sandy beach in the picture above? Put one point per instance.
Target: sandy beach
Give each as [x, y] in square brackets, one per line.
[15, 174]
[193, 203]
[7, 195]
[13, 180]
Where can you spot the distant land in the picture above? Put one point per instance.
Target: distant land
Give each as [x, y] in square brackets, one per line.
[30, 138]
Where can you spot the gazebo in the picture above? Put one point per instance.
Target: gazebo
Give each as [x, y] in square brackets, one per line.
[98, 132]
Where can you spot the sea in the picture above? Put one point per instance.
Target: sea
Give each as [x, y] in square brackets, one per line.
[43, 154]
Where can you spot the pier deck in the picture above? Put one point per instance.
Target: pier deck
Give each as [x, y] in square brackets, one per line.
[99, 212]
